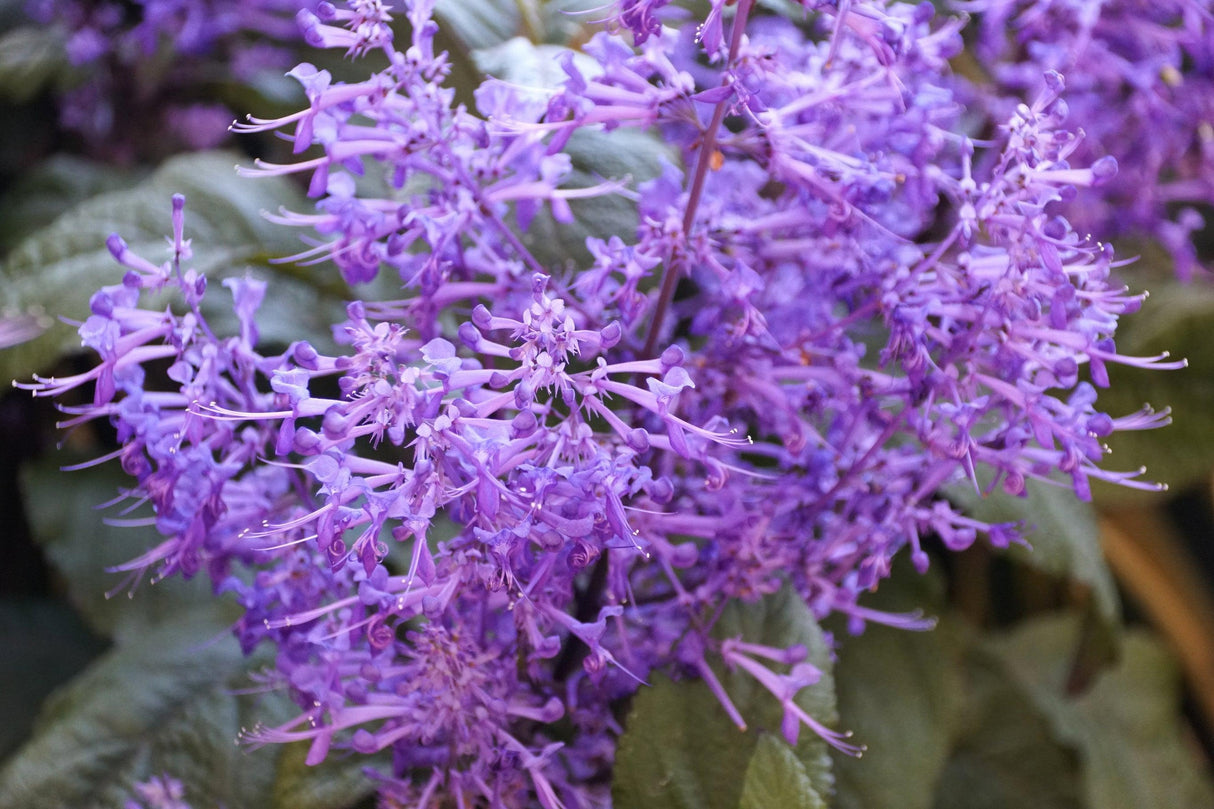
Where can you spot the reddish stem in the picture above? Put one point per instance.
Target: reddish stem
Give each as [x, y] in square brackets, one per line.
[708, 144]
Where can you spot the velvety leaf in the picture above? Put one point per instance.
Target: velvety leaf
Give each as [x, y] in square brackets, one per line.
[681, 750]
[567, 22]
[902, 694]
[1127, 726]
[1062, 533]
[776, 780]
[30, 58]
[623, 154]
[293, 309]
[45, 643]
[478, 23]
[163, 703]
[782, 620]
[1135, 752]
[521, 62]
[62, 510]
[482, 24]
[1006, 755]
[58, 268]
[337, 782]
[51, 188]
[81, 546]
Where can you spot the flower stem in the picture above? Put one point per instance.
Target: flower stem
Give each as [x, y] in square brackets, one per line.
[708, 144]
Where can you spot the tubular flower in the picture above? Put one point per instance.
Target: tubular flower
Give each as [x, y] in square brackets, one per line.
[514, 494]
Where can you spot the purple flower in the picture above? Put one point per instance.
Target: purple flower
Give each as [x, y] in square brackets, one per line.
[641, 17]
[1139, 88]
[159, 792]
[520, 489]
[119, 55]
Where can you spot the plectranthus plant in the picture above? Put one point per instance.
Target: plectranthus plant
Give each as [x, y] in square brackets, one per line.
[525, 486]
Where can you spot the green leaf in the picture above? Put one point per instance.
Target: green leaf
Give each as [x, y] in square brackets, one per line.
[623, 154]
[782, 620]
[335, 783]
[62, 510]
[1127, 727]
[1139, 701]
[519, 61]
[776, 780]
[168, 702]
[902, 694]
[44, 643]
[1062, 533]
[1006, 755]
[1176, 318]
[568, 22]
[293, 308]
[479, 24]
[51, 188]
[160, 704]
[681, 751]
[58, 268]
[195, 681]
[31, 57]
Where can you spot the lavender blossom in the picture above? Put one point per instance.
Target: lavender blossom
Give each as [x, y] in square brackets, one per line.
[520, 490]
[1139, 86]
[117, 54]
[195, 472]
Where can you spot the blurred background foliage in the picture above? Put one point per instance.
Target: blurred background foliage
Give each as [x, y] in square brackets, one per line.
[1080, 674]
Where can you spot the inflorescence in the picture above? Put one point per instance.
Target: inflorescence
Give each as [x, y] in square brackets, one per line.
[523, 487]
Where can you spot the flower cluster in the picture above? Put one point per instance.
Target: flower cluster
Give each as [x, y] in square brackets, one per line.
[117, 55]
[1141, 84]
[195, 472]
[522, 488]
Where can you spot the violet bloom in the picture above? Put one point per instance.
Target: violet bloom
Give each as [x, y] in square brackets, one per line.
[196, 472]
[1140, 87]
[119, 55]
[520, 490]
